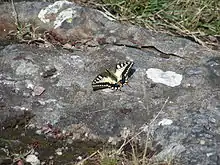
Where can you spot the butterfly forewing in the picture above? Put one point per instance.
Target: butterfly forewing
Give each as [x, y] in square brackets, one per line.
[122, 70]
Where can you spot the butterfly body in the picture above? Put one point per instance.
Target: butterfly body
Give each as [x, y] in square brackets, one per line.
[113, 79]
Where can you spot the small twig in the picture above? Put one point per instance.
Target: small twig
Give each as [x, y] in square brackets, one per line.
[21, 156]
[120, 149]
[145, 149]
[15, 14]
[82, 161]
[135, 160]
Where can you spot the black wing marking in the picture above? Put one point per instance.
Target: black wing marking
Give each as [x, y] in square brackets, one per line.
[103, 81]
[123, 69]
[110, 79]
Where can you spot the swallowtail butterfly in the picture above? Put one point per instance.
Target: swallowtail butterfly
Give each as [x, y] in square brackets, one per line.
[113, 79]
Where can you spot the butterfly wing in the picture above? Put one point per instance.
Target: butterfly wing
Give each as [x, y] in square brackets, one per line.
[110, 79]
[122, 70]
[103, 81]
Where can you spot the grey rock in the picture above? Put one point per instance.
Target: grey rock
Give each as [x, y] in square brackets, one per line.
[170, 151]
[68, 99]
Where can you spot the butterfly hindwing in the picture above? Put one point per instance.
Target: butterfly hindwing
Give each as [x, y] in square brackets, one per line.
[113, 80]
[103, 81]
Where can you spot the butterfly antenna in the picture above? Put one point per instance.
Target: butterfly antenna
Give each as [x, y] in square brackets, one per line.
[128, 84]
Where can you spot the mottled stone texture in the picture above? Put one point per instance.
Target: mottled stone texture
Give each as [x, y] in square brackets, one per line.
[65, 97]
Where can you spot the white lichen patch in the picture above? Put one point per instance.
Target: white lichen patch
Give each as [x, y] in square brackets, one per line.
[165, 122]
[33, 160]
[56, 10]
[168, 78]
[65, 15]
